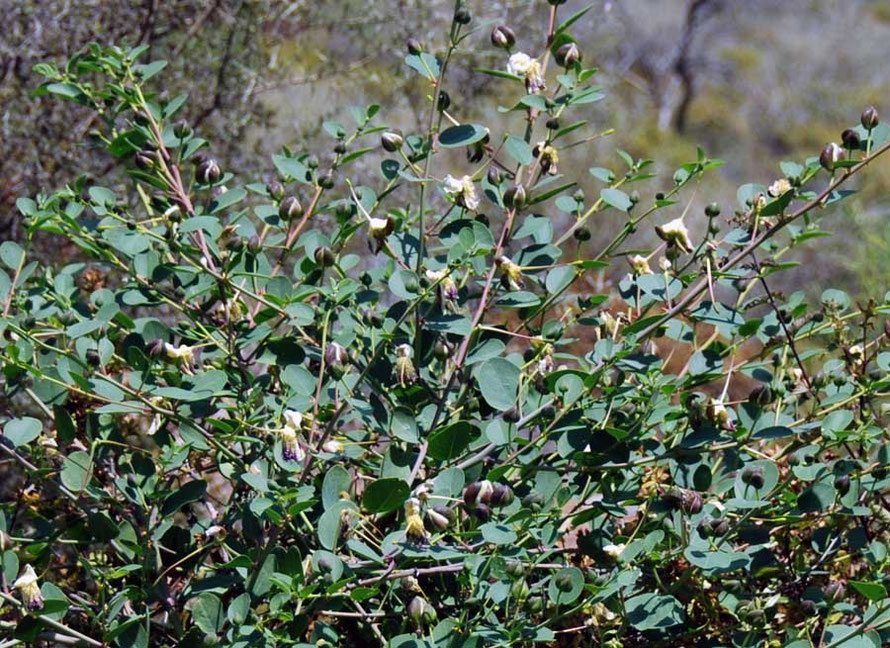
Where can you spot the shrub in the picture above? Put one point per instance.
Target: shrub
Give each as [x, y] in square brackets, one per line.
[317, 412]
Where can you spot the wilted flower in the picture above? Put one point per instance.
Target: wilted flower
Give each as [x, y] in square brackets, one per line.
[404, 366]
[718, 413]
[675, 233]
[447, 286]
[511, 273]
[780, 187]
[183, 356]
[523, 65]
[413, 522]
[611, 324]
[549, 157]
[639, 264]
[379, 229]
[29, 589]
[461, 191]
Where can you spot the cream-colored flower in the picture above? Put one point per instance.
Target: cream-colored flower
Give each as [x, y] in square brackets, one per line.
[378, 226]
[718, 412]
[413, 522]
[27, 586]
[548, 156]
[521, 64]
[462, 191]
[332, 446]
[665, 264]
[179, 354]
[446, 284]
[639, 264]
[675, 233]
[293, 420]
[780, 187]
[857, 353]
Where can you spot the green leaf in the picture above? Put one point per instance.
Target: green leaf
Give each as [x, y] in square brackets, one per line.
[22, 431]
[11, 254]
[384, 495]
[403, 425]
[498, 534]
[239, 608]
[617, 199]
[336, 480]
[76, 471]
[208, 614]
[450, 442]
[462, 135]
[519, 150]
[654, 612]
[499, 382]
[871, 591]
[190, 492]
[566, 585]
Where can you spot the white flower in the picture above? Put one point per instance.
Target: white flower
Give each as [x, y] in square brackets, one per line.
[27, 585]
[291, 450]
[293, 419]
[378, 226]
[521, 64]
[718, 412]
[462, 191]
[447, 286]
[512, 273]
[779, 188]
[665, 264]
[675, 233]
[639, 264]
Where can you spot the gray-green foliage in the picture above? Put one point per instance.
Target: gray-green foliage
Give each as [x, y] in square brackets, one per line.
[252, 435]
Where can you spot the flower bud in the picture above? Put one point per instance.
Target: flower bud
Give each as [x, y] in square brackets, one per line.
[514, 197]
[208, 171]
[414, 46]
[494, 176]
[155, 348]
[420, 611]
[830, 156]
[289, 208]
[519, 590]
[275, 190]
[438, 517]
[326, 180]
[515, 569]
[391, 141]
[850, 138]
[477, 492]
[145, 160]
[182, 129]
[533, 501]
[834, 591]
[753, 476]
[503, 37]
[869, 118]
[567, 55]
[335, 355]
[444, 101]
[482, 512]
[842, 484]
[581, 234]
[712, 210]
[324, 257]
[463, 16]
[501, 495]
[254, 245]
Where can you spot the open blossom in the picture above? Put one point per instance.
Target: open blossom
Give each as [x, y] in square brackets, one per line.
[182, 353]
[639, 264]
[379, 229]
[523, 65]
[289, 436]
[447, 287]
[675, 233]
[779, 188]
[404, 366]
[461, 191]
[27, 586]
[613, 551]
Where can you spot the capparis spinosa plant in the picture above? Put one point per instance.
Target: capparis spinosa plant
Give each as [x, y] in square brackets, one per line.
[313, 411]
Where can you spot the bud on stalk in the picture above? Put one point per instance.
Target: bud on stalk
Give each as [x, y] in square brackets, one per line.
[503, 37]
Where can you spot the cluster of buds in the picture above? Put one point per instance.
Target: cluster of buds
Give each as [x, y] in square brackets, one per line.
[511, 274]
[529, 68]
[27, 586]
[713, 527]
[675, 234]
[379, 229]
[688, 501]
[404, 365]
[753, 476]
[481, 496]
[548, 156]
[461, 191]
[289, 435]
[445, 285]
